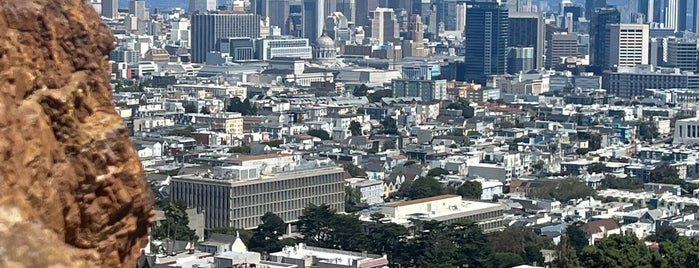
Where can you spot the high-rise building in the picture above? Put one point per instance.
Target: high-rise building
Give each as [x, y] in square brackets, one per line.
[486, 41]
[110, 8]
[592, 5]
[520, 59]
[202, 6]
[138, 9]
[283, 46]
[561, 45]
[208, 29]
[599, 36]
[526, 29]
[313, 19]
[384, 26]
[278, 12]
[347, 7]
[676, 15]
[681, 53]
[628, 44]
[362, 11]
[261, 7]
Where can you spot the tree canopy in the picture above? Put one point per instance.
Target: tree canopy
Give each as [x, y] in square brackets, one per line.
[424, 187]
[244, 107]
[621, 251]
[470, 190]
[355, 128]
[319, 133]
[565, 189]
[175, 226]
[266, 237]
[354, 170]
[360, 91]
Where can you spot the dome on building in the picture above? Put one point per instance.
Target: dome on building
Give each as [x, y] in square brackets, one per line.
[325, 41]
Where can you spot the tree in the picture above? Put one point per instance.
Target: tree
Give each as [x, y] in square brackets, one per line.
[205, 110]
[507, 260]
[466, 110]
[532, 254]
[240, 150]
[582, 151]
[472, 245]
[424, 187]
[663, 173]
[436, 172]
[664, 233]
[565, 255]
[175, 226]
[353, 200]
[389, 126]
[314, 224]
[576, 237]
[624, 183]
[386, 238]
[273, 143]
[647, 131]
[470, 190]
[682, 253]
[360, 91]
[244, 107]
[183, 132]
[565, 189]
[354, 170]
[389, 145]
[355, 128]
[376, 96]
[245, 235]
[266, 236]
[190, 108]
[620, 251]
[319, 133]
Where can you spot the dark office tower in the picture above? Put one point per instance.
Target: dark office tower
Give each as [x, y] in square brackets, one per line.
[446, 14]
[642, 8]
[676, 16]
[526, 29]
[575, 10]
[294, 23]
[278, 12]
[208, 29]
[591, 5]
[363, 9]
[110, 8]
[260, 7]
[486, 41]
[397, 4]
[313, 19]
[599, 36]
[347, 7]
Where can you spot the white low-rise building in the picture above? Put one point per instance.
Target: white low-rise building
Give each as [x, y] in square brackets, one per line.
[444, 208]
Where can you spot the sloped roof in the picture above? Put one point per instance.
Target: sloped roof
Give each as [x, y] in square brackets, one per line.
[598, 226]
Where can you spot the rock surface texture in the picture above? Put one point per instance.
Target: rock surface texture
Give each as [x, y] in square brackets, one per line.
[72, 189]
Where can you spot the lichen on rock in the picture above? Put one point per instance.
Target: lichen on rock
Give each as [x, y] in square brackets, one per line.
[71, 182]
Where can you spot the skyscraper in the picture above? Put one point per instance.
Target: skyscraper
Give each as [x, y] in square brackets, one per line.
[110, 8]
[486, 41]
[362, 11]
[313, 19]
[138, 9]
[208, 29]
[260, 7]
[347, 7]
[561, 45]
[526, 29]
[384, 26]
[628, 44]
[676, 15]
[202, 6]
[599, 36]
[278, 12]
[592, 5]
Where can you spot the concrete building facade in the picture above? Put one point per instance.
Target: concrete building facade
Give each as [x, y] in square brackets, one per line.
[628, 44]
[232, 201]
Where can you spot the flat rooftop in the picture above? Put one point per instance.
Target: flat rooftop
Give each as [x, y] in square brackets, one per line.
[421, 200]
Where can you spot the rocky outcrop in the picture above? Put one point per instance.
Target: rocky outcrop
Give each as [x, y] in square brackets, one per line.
[72, 189]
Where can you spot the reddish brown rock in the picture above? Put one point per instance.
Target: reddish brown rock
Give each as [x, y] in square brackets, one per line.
[70, 181]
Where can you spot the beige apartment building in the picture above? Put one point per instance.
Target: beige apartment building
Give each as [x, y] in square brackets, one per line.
[231, 123]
